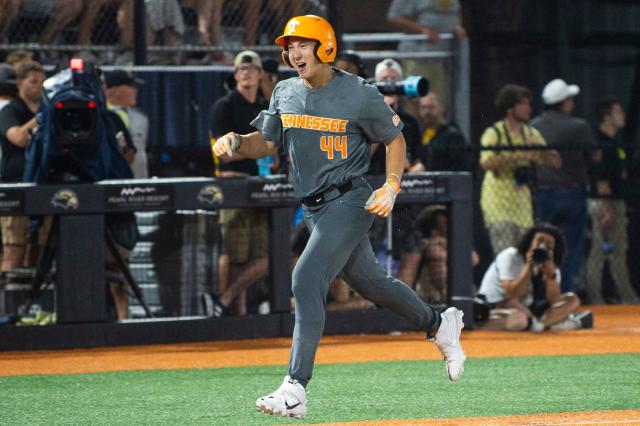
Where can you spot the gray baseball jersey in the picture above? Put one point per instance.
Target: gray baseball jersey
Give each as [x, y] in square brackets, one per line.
[326, 131]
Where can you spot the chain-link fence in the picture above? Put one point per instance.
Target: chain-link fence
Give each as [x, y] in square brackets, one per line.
[177, 32]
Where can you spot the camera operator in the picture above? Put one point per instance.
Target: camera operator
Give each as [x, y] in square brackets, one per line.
[17, 124]
[522, 286]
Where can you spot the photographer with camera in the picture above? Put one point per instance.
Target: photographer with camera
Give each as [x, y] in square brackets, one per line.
[506, 188]
[521, 288]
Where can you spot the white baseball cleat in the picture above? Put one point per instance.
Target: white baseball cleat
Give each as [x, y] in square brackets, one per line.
[289, 400]
[447, 339]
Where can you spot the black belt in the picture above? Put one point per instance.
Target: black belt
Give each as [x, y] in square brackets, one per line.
[326, 195]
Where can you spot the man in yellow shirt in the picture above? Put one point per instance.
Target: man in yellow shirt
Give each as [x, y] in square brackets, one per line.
[506, 197]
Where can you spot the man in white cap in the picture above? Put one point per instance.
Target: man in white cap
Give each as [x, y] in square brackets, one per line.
[561, 195]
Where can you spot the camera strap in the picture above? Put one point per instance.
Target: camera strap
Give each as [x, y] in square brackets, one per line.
[508, 135]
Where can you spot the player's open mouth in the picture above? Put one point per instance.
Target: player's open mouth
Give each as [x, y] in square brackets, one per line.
[301, 66]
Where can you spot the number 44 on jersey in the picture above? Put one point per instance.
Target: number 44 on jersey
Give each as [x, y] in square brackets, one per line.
[334, 144]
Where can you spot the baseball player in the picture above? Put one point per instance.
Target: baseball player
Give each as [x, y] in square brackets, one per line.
[324, 118]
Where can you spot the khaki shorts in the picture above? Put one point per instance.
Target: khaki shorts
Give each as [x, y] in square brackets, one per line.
[15, 230]
[245, 234]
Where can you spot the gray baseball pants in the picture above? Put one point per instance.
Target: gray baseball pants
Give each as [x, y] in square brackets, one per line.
[339, 245]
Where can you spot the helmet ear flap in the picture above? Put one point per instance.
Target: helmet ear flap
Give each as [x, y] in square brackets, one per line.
[285, 58]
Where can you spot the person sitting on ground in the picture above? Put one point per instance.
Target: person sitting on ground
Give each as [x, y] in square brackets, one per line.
[522, 286]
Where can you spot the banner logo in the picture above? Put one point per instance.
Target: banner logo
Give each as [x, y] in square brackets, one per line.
[210, 194]
[65, 199]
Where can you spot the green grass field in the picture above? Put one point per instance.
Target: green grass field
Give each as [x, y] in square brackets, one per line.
[342, 392]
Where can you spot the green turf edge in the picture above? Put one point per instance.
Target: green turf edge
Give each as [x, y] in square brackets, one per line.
[339, 392]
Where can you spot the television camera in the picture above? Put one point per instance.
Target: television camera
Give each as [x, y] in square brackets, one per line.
[76, 138]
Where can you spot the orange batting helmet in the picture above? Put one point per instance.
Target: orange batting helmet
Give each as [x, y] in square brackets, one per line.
[312, 27]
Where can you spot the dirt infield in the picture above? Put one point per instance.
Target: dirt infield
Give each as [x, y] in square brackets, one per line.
[621, 417]
[617, 330]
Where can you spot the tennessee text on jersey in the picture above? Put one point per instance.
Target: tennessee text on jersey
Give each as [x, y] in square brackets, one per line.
[323, 124]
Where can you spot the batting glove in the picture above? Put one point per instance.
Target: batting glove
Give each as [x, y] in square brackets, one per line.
[227, 144]
[382, 200]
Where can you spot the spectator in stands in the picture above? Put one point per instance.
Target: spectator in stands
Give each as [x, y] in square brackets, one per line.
[89, 16]
[522, 286]
[506, 198]
[209, 13]
[209, 21]
[17, 124]
[53, 15]
[244, 231]
[251, 16]
[63, 13]
[8, 12]
[351, 62]
[607, 207]
[433, 18]
[406, 242]
[164, 19]
[443, 147]
[122, 97]
[561, 196]
[17, 56]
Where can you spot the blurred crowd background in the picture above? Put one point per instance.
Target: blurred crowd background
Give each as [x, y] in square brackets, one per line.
[181, 53]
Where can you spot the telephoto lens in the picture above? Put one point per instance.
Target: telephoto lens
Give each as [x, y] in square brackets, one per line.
[413, 86]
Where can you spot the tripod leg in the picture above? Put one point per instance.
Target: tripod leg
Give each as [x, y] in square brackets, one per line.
[45, 260]
[111, 245]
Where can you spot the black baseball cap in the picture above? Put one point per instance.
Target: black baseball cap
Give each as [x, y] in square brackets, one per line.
[120, 78]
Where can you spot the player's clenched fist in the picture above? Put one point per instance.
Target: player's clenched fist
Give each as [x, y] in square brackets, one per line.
[382, 200]
[226, 145]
